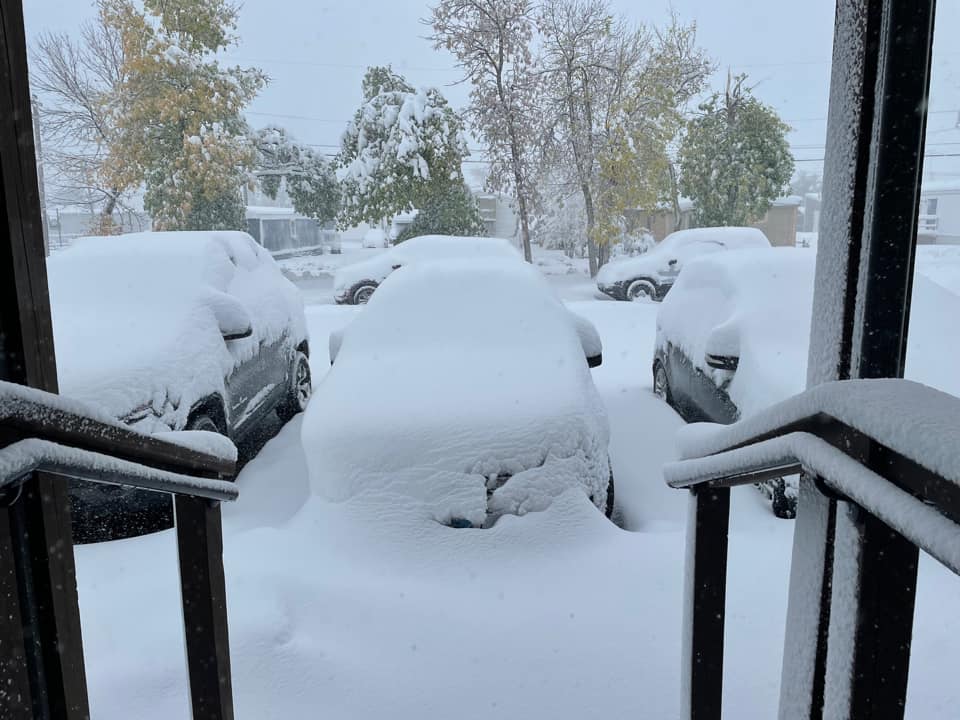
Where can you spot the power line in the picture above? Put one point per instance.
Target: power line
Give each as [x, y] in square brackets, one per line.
[337, 66]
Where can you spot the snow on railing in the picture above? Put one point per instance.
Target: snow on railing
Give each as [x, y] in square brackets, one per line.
[888, 447]
[41, 435]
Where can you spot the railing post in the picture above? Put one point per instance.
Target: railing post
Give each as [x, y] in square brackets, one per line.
[704, 608]
[203, 592]
[37, 573]
[808, 610]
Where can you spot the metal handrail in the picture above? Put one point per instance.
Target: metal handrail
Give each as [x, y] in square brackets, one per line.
[43, 434]
[914, 518]
[849, 444]
[19, 460]
[30, 413]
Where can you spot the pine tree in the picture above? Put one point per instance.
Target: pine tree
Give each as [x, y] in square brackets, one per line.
[734, 160]
[402, 147]
[183, 139]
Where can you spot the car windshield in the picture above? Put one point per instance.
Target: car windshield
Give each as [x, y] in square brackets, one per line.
[457, 283]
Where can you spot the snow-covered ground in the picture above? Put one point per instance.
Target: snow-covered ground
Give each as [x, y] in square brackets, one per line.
[354, 611]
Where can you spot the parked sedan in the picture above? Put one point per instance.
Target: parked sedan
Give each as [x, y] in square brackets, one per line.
[733, 338]
[651, 275]
[173, 331]
[478, 405]
[354, 284]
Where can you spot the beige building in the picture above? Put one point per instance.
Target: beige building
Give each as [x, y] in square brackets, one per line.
[779, 224]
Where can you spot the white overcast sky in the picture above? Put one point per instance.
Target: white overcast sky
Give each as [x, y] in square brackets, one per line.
[315, 53]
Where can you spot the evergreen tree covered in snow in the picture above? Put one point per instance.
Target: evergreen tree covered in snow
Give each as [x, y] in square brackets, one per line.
[402, 147]
[734, 160]
[491, 39]
[449, 213]
[184, 139]
[308, 176]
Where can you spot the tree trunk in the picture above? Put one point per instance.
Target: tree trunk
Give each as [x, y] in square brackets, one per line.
[591, 221]
[521, 195]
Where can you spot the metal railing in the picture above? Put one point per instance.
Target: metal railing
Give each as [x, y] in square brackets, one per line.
[42, 435]
[890, 478]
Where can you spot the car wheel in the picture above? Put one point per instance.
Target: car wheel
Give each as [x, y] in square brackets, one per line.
[300, 390]
[641, 290]
[661, 385]
[362, 293]
[202, 421]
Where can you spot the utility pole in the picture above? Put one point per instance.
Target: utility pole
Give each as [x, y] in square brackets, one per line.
[35, 107]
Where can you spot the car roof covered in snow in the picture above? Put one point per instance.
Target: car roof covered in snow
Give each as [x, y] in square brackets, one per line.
[456, 366]
[757, 305]
[732, 238]
[137, 318]
[682, 246]
[420, 248]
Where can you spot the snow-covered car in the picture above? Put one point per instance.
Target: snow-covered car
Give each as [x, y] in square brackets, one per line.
[354, 284]
[374, 238]
[651, 275]
[733, 337]
[473, 407]
[169, 331]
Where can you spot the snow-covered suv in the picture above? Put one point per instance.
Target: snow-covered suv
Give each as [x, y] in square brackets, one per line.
[170, 331]
[470, 407]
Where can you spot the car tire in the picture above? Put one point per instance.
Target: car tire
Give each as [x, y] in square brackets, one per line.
[202, 421]
[661, 383]
[299, 391]
[361, 293]
[641, 290]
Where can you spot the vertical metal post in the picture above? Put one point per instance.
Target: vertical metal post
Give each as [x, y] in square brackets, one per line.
[37, 573]
[40, 183]
[877, 122]
[808, 609]
[705, 604]
[204, 596]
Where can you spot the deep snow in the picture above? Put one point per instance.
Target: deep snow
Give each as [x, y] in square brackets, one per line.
[354, 611]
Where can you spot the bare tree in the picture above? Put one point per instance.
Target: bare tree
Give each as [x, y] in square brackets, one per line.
[613, 97]
[75, 79]
[491, 41]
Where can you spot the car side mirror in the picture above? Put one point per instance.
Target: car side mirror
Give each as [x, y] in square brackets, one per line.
[589, 340]
[722, 351]
[237, 334]
[722, 362]
[396, 267]
[232, 317]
